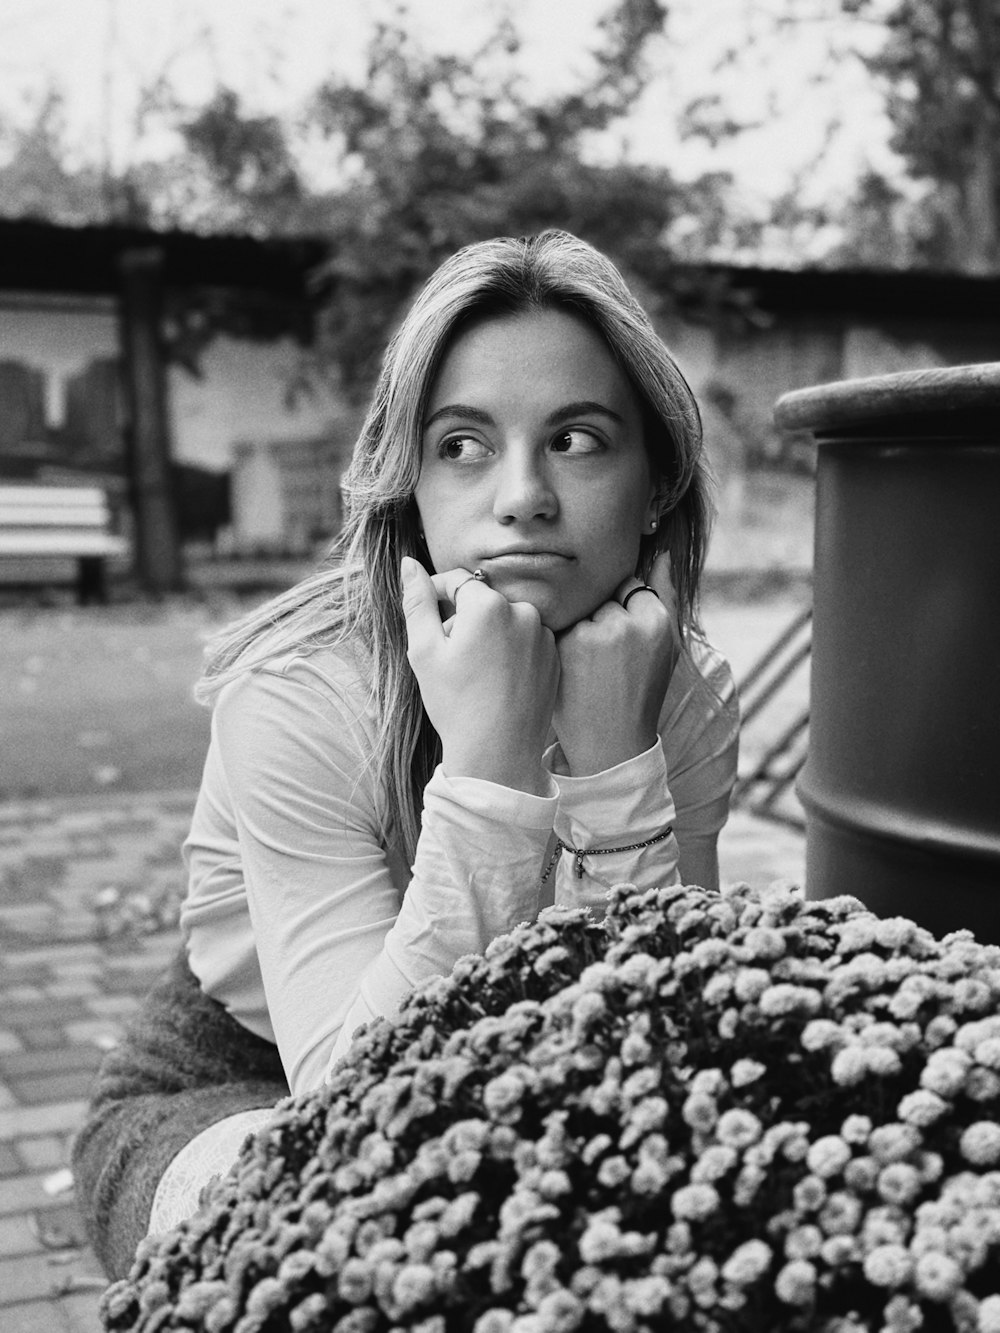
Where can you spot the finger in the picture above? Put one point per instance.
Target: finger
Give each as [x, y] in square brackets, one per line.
[661, 578]
[420, 606]
[446, 585]
[635, 597]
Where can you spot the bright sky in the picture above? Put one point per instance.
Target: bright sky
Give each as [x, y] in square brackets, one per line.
[101, 52]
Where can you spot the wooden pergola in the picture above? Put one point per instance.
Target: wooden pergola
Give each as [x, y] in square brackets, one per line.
[259, 287]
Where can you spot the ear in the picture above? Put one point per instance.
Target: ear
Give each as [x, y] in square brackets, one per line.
[653, 511]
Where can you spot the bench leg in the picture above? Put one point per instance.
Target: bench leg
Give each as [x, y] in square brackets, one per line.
[91, 581]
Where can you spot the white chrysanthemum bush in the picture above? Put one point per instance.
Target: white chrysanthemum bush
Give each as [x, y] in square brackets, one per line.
[729, 1111]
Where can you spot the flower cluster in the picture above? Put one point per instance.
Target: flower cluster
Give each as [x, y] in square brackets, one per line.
[717, 1112]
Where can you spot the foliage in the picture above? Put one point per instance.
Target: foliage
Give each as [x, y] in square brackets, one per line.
[423, 153]
[940, 69]
[37, 182]
[235, 171]
[714, 1112]
[446, 150]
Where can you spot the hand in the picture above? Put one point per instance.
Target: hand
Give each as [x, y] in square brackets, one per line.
[487, 676]
[614, 672]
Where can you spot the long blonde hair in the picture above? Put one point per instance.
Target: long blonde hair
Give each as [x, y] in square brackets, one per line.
[355, 593]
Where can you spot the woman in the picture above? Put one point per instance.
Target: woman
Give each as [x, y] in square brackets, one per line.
[496, 698]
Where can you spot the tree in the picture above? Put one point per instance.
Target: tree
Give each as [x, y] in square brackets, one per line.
[940, 69]
[429, 152]
[37, 181]
[233, 171]
[442, 150]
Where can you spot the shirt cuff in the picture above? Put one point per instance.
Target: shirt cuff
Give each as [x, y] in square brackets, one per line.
[490, 800]
[632, 798]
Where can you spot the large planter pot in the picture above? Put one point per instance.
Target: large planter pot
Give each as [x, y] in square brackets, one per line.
[902, 785]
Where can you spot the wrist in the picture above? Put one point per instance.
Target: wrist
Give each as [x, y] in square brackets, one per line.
[518, 775]
[583, 760]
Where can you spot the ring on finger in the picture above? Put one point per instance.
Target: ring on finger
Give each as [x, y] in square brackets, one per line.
[640, 587]
[477, 576]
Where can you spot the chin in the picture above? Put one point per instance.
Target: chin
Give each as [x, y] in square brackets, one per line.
[558, 608]
[558, 617]
[550, 607]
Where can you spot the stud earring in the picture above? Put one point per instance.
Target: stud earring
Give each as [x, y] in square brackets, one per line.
[653, 524]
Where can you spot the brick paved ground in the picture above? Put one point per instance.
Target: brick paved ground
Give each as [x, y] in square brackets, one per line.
[85, 890]
[79, 884]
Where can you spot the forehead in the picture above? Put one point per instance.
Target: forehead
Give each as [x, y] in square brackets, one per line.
[532, 356]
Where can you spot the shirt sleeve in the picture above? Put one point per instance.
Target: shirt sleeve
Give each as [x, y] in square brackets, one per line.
[702, 726]
[601, 819]
[681, 784]
[335, 943]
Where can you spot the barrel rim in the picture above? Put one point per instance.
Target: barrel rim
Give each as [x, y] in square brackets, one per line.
[945, 390]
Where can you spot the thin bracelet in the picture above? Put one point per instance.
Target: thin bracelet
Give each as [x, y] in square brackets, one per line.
[580, 852]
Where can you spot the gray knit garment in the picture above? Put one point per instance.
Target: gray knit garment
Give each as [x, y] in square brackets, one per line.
[183, 1064]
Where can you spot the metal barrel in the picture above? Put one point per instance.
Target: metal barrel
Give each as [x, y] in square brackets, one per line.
[901, 788]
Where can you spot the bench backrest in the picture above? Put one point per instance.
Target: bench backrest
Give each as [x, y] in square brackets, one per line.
[56, 520]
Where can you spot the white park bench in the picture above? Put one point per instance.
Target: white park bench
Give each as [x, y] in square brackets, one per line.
[47, 526]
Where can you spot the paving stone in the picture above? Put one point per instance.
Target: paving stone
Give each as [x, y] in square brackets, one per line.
[17, 1237]
[86, 966]
[113, 1006]
[91, 849]
[42, 1038]
[19, 1194]
[73, 988]
[76, 925]
[62, 1060]
[35, 873]
[24, 1279]
[11, 1163]
[99, 1032]
[58, 1118]
[59, 953]
[47, 1152]
[9, 1041]
[41, 1316]
[21, 995]
[42, 1091]
[134, 984]
[61, 1231]
[80, 1313]
[31, 920]
[41, 1011]
[26, 972]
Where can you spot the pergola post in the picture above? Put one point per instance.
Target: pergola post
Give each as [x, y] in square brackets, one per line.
[158, 558]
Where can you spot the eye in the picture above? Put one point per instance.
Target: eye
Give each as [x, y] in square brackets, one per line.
[462, 448]
[576, 441]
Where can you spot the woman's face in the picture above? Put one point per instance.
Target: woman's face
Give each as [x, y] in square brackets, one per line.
[534, 467]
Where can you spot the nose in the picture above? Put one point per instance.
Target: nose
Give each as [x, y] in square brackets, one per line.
[524, 487]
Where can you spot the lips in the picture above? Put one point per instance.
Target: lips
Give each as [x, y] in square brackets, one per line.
[527, 556]
[511, 551]
[525, 561]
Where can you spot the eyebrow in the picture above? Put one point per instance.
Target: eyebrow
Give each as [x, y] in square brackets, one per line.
[585, 407]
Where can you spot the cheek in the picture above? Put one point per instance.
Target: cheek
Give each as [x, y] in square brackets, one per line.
[442, 521]
[622, 519]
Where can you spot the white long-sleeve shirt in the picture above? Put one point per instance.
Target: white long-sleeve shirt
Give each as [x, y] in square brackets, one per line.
[302, 916]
